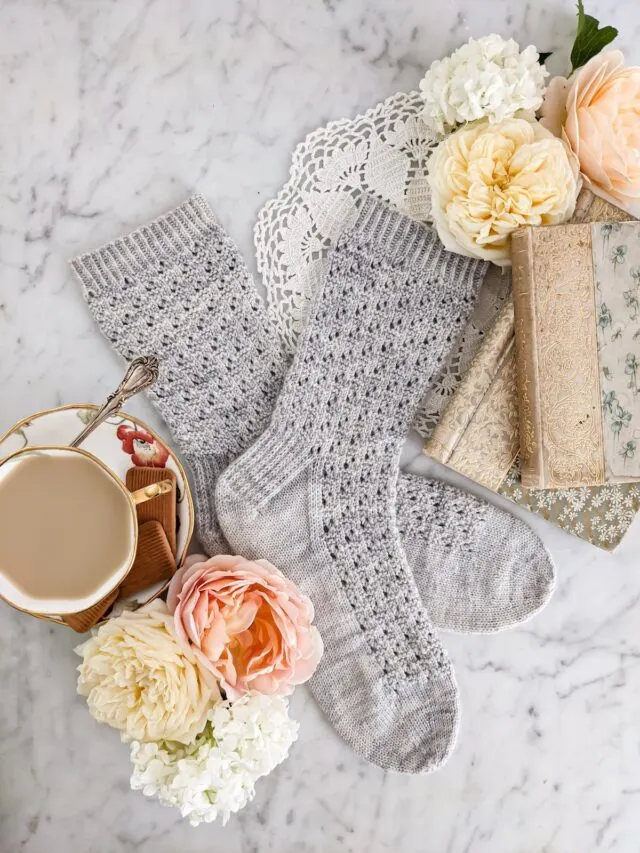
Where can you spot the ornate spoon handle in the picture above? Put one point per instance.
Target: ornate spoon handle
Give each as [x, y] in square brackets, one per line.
[141, 373]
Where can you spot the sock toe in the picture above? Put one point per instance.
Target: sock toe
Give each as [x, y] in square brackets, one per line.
[533, 574]
[513, 574]
[478, 568]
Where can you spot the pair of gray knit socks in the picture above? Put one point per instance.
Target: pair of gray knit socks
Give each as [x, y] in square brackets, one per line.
[300, 466]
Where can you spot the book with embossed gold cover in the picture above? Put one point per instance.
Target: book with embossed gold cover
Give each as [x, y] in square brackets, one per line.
[576, 295]
[478, 432]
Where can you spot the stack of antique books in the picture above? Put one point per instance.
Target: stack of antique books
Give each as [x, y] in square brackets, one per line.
[548, 413]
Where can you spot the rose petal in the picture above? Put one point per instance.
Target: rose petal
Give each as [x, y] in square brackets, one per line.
[249, 624]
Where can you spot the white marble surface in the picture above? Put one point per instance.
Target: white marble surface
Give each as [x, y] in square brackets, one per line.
[111, 113]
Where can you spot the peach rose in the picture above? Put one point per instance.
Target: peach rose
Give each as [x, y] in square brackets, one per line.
[246, 623]
[597, 114]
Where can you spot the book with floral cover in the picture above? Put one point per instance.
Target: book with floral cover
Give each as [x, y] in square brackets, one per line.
[600, 515]
[486, 407]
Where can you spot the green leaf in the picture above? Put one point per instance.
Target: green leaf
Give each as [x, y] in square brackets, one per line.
[542, 56]
[590, 39]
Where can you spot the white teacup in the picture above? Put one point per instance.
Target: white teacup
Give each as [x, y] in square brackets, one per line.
[68, 529]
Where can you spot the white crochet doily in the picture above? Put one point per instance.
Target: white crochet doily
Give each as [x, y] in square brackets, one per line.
[383, 153]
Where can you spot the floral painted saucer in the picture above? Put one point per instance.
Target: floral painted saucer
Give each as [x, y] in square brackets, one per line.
[120, 442]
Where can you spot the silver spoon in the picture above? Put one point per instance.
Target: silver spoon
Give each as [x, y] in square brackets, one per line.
[141, 373]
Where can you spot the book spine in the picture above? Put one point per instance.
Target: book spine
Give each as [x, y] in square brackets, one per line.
[528, 375]
[591, 208]
[478, 431]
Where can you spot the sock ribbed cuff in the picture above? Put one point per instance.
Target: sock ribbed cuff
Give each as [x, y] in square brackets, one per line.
[169, 236]
[267, 466]
[410, 243]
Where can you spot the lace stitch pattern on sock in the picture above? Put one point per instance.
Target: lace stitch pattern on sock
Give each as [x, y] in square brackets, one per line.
[196, 378]
[178, 288]
[377, 343]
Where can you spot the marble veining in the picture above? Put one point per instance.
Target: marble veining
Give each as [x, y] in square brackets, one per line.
[111, 113]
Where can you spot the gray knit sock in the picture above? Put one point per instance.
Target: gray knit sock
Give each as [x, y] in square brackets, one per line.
[478, 568]
[316, 494]
[179, 288]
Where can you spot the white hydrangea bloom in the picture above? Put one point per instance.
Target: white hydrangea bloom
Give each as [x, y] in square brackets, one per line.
[485, 78]
[216, 774]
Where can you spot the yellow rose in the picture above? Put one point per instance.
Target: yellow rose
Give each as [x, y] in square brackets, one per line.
[139, 679]
[597, 113]
[489, 179]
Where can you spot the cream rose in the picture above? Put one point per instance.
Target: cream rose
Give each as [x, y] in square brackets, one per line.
[597, 114]
[489, 179]
[138, 678]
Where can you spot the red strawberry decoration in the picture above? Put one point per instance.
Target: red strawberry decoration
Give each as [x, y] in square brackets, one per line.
[145, 450]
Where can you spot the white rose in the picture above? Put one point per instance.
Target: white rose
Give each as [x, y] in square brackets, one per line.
[489, 179]
[139, 679]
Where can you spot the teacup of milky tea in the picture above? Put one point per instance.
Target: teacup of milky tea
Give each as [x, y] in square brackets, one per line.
[68, 529]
